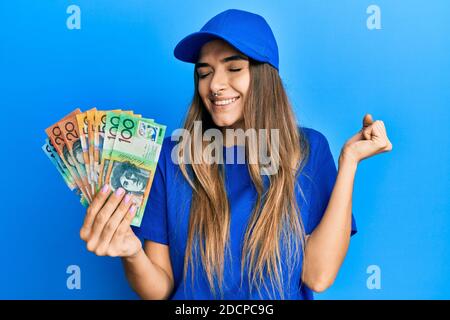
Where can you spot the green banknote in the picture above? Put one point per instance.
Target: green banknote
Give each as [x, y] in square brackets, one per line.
[133, 158]
[111, 126]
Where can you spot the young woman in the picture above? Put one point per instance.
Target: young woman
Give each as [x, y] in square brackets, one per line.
[229, 231]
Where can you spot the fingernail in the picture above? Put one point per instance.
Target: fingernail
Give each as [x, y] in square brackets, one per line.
[105, 188]
[120, 192]
[127, 198]
[132, 209]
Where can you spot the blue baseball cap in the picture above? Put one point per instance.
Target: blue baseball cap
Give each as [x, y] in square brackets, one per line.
[247, 32]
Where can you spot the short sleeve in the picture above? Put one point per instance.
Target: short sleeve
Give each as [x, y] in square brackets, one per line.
[154, 222]
[323, 180]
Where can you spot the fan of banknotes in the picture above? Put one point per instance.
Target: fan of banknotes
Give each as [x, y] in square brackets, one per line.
[115, 147]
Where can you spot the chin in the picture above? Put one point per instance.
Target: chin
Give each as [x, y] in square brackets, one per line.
[225, 122]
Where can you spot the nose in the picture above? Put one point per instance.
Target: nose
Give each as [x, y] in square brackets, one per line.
[219, 81]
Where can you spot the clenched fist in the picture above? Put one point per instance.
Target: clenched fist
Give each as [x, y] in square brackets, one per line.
[369, 141]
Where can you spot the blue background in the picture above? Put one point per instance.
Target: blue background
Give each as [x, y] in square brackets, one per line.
[335, 70]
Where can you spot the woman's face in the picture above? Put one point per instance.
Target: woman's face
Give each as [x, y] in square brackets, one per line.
[222, 68]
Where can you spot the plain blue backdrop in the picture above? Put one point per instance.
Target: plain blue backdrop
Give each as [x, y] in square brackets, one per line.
[335, 70]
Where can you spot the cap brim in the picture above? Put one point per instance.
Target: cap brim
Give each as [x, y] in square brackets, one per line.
[188, 49]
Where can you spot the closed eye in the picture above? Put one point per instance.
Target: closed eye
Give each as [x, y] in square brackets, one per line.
[201, 76]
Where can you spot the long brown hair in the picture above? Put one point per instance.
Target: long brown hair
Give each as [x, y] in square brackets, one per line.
[275, 215]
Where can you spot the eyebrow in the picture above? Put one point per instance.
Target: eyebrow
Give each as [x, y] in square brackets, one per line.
[227, 59]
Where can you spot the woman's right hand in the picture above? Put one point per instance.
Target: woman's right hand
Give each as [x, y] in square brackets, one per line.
[106, 228]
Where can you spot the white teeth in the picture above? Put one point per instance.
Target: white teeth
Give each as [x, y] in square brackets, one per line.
[224, 102]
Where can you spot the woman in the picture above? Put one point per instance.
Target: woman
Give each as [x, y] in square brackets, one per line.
[230, 231]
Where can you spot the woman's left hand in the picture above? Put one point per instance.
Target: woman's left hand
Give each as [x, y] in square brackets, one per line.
[369, 141]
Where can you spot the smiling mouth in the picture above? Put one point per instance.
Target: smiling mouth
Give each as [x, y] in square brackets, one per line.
[221, 103]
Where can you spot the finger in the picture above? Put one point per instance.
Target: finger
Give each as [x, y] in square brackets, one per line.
[379, 136]
[367, 120]
[383, 130]
[367, 132]
[126, 221]
[374, 131]
[93, 210]
[113, 223]
[103, 216]
[122, 230]
[385, 136]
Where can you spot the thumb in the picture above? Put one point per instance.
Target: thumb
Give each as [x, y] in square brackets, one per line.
[367, 120]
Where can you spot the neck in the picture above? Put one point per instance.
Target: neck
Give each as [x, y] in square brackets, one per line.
[237, 125]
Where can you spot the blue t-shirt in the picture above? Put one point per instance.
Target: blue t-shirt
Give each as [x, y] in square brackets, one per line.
[166, 218]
